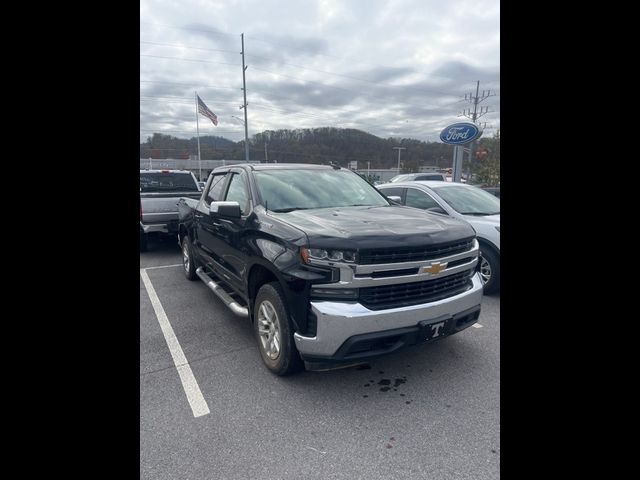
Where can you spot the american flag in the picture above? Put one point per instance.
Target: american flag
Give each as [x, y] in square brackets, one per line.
[204, 110]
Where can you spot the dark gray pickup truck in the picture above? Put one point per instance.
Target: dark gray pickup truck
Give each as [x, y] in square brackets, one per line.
[160, 191]
[325, 267]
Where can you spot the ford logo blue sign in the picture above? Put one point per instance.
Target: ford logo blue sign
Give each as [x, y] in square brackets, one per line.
[460, 133]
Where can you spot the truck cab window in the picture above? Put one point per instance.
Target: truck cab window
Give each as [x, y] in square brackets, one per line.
[238, 192]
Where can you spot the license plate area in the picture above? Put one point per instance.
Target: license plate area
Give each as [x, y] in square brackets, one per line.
[432, 329]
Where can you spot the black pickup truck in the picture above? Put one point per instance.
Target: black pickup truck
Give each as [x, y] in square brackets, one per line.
[328, 270]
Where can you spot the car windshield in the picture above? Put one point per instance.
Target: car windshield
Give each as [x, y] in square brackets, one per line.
[469, 200]
[287, 190]
[167, 182]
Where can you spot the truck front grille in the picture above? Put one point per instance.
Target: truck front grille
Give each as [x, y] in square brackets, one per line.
[412, 254]
[415, 293]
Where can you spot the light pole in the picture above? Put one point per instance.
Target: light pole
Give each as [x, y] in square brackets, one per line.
[399, 149]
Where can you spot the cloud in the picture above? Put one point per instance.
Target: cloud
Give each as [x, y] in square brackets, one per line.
[390, 68]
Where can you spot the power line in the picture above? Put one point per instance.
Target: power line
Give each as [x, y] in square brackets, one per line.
[188, 47]
[188, 59]
[215, 32]
[277, 61]
[345, 59]
[340, 88]
[343, 75]
[182, 99]
[190, 85]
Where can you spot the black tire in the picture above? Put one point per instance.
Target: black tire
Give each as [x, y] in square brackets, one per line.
[188, 261]
[493, 284]
[143, 241]
[287, 360]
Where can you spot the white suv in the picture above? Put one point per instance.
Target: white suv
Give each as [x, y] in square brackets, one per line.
[478, 207]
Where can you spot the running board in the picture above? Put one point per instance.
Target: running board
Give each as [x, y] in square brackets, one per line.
[234, 306]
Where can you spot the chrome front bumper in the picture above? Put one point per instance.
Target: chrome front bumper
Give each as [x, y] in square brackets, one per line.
[338, 321]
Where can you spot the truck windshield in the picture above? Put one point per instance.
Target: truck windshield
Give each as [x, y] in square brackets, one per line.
[287, 190]
[167, 182]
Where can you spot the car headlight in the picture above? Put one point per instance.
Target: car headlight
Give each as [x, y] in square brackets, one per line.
[498, 228]
[320, 293]
[309, 254]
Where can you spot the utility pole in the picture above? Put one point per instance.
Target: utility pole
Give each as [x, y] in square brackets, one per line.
[475, 100]
[399, 149]
[198, 134]
[266, 155]
[244, 106]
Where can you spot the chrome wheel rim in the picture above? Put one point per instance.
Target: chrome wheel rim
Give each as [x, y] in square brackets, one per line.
[185, 255]
[269, 330]
[485, 270]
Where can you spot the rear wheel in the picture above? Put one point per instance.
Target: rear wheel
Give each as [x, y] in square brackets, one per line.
[274, 331]
[143, 241]
[188, 261]
[490, 271]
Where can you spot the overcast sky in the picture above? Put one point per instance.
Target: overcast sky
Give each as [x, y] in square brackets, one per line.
[391, 68]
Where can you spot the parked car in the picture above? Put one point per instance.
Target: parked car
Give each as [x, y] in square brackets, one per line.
[408, 177]
[326, 269]
[160, 191]
[479, 208]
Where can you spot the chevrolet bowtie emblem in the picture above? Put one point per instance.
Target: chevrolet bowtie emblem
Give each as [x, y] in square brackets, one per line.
[435, 268]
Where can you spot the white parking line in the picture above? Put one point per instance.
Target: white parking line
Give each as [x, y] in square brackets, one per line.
[163, 266]
[194, 395]
[476, 325]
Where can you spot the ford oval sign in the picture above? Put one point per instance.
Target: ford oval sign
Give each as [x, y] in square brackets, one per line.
[460, 133]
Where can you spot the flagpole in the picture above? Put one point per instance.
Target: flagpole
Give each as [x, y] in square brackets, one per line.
[198, 133]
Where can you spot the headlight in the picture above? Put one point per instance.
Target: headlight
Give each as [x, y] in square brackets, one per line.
[309, 254]
[320, 293]
[498, 228]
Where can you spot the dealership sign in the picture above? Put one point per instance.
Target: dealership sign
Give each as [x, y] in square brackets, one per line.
[460, 133]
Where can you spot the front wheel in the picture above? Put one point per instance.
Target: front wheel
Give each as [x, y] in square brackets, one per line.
[490, 271]
[274, 332]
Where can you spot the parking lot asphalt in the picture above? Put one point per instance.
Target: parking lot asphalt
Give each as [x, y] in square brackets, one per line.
[440, 418]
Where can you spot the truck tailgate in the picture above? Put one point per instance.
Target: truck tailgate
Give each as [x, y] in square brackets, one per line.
[162, 207]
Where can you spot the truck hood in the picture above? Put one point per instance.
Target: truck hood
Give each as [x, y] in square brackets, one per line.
[375, 227]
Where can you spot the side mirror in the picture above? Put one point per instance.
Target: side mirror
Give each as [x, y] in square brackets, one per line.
[225, 209]
[395, 199]
[437, 210]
